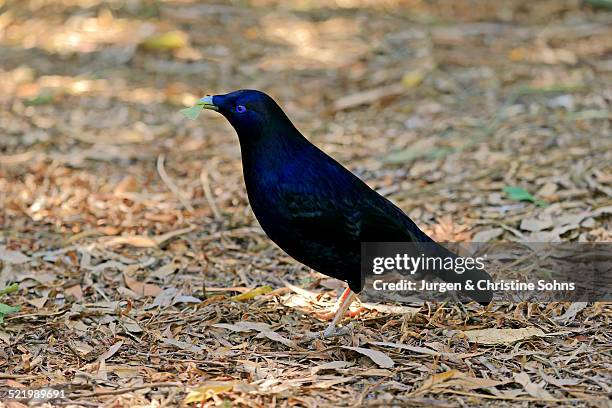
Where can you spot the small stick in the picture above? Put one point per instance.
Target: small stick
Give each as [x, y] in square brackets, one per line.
[170, 184]
[209, 195]
[130, 389]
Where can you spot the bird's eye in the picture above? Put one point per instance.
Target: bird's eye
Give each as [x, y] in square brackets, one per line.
[240, 109]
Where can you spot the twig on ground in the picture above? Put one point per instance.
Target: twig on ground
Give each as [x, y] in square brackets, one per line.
[170, 184]
[210, 198]
[130, 389]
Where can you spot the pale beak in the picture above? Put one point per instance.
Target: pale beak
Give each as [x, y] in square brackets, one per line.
[207, 103]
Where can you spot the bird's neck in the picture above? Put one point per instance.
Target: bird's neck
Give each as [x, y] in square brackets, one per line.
[266, 157]
[271, 144]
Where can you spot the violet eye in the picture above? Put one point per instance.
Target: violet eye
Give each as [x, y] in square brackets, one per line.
[240, 109]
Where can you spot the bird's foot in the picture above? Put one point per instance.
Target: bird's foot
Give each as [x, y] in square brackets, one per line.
[329, 332]
[334, 331]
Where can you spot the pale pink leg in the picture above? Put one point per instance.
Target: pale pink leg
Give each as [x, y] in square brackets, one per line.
[332, 314]
[345, 302]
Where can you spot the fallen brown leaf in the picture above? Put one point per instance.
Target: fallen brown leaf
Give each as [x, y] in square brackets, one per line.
[378, 357]
[141, 288]
[502, 336]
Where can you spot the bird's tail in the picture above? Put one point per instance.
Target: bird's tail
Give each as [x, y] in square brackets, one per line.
[466, 276]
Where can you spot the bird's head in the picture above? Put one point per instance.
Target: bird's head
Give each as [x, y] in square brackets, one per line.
[252, 113]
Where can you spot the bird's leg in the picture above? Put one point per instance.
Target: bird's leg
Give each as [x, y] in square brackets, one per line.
[345, 301]
[330, 315]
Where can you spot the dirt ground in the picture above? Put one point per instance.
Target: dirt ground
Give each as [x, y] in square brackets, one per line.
[143, 277]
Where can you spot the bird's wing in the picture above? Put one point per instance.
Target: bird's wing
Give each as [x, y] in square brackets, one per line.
[333, 201]
[322, 217]
[364, 217]
[382, 221]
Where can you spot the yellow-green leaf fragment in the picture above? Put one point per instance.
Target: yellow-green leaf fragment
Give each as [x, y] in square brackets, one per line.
[41, 99]
[168, 41]
[413, 79]
[262, 290]
[193, 112]
[10, 289]
[207, 391]
[6, 309]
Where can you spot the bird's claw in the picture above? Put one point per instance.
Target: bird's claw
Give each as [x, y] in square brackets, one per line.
[329, 332]
[333, 331]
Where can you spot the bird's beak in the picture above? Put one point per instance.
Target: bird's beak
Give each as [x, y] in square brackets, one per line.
[207, 103]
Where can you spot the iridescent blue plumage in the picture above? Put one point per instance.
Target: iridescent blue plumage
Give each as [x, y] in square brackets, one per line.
[306, 202]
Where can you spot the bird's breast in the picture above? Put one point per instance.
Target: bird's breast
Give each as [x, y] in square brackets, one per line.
[265, 199]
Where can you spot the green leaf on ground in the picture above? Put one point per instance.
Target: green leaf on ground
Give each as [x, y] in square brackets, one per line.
[168, 41]
[9, 289]
[6, 309]
[520, 194]
[42, 99]
[604, 4]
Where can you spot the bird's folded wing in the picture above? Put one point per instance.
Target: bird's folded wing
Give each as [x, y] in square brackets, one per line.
[384, 222]
[361, 219]
[322, 217]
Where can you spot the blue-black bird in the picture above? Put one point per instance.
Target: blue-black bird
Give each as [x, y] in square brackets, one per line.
[309, 204]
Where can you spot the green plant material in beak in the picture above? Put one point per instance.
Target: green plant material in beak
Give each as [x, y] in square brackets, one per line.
[194, 111]
[204, 103]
